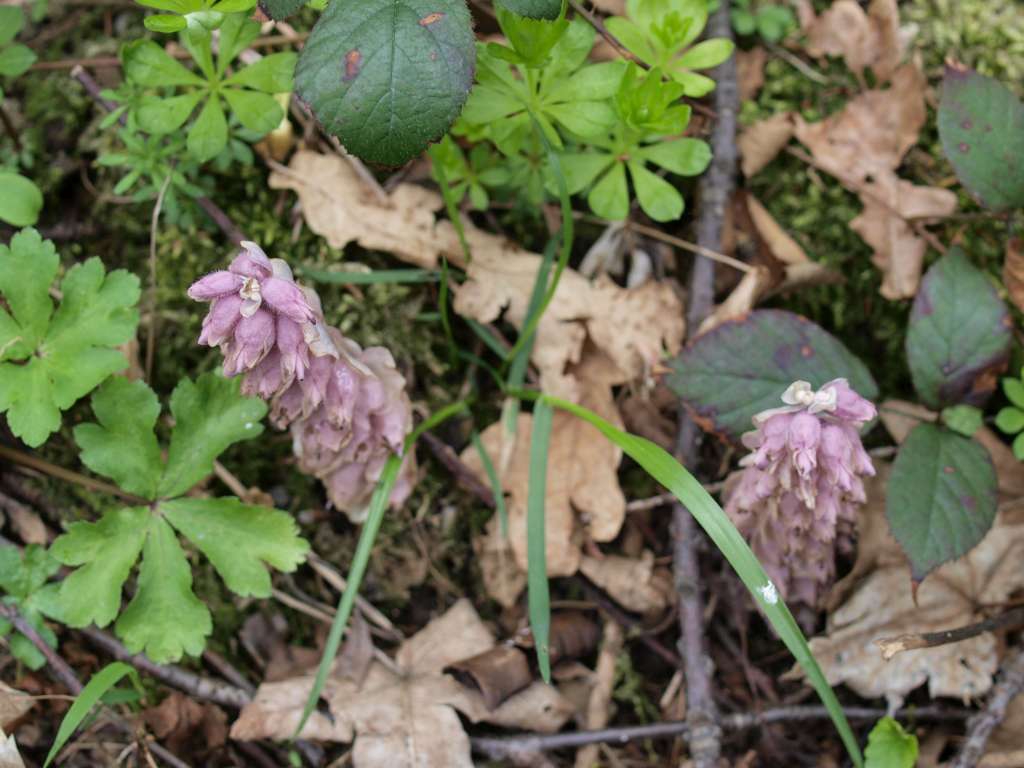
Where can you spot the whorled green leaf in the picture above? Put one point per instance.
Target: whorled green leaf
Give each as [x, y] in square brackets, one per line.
[981, 125]
[209, 133]
[106, 551]
[239, 539]
[147, 64]
[533, 9]
[889, 746]
[21, 200]
[164, 619]
[941, 498]
[387, 77]
[123, 446]
[69, 353]
[210, 414]
[742, 367]
[959, 330]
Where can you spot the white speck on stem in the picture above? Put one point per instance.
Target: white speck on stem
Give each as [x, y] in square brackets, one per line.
[769, 593]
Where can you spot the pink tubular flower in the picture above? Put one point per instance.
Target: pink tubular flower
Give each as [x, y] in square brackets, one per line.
[346, 407]
[802, 484]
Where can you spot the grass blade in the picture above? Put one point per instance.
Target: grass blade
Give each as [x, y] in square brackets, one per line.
[372, 278]
[660, 465]
[100, 683]
[536, 545]
[495, 481]
[361, 558]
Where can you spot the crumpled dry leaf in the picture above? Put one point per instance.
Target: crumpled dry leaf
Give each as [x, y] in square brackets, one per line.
[582, 484]
[503, 579]
[405, 718]
[635, 327]
[634, 584]
[9, 755]
[750, 71]
[600, 704]
[14, 704]
[988, 574]
[183, 723]
[862, 146]
[1013, 271]
[760, 142]
[864, 40]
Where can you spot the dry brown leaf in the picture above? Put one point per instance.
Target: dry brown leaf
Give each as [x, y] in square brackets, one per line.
[899, 252]
[9, 755]
[503, 579]
[186, 724]
[1007, 741]
[582, 479]
[988, 574]
[635, 327]
[600, 704]
[14, 704]
[405, 718]
[750, 71]
[863, 39]
[783, 247]
[761, 142]
[754, 284]
[1013, 271]
[633, 583]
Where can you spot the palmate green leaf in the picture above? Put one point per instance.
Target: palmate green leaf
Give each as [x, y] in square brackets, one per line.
[165, 619]
[72, 351]
[209, 415]
[23, 577]
[959, 331]
[21, 201]
[123, 446]
[889, 746]
[533, 9]
[238, 539]
[981, 125]
[106, 551]
[23, 573]
[387, 77]
[941, 499]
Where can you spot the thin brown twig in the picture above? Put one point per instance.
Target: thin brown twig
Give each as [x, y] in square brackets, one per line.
[464, 476]
[46, 467]
[890, 646]
[700, 250]
[981, 725]
[602, 30]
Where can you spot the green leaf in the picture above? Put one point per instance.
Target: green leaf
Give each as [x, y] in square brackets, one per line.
[280, 9]
[165, 618]
[27, 269]
[271, 74]
[236, 34]
[165, 22]
[742, 367]
[659, 199]
[609, 197]
[11, 21]
[533, 9]
[15, 59]
[106, 551]
[709, 53]
[123, 446]
[889, 746]
[257, 112]
[631, 36]
[90, 696]
[1014, 391]
[584, 118]
[534, 42]
[209, 415]
[963, 419]
[388, 77]
[147, 64]
[1010, 420]
[22, 573]
[941, 499]
[238, 539]
[959, 331]
[687, 157]
[20, 200]
[981, 125]
[160, 115]
[209, 133]
[581, 169]
[536, 546]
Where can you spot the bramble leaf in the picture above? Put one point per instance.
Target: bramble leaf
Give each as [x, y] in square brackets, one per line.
[123, 446]
[941, 499]
[981, 125]
[69, 353]
[165, 618]
[742, 367]
[959, 330]
[209, 415]
[106, 551]
[238, 539]
[388, 77]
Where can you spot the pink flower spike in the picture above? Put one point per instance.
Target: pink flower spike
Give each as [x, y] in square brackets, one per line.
[215, 285]
[286, 299]
[291, 344]
[253, 339]
[804, 434]
[849, 405]
[251, 262]
[221, 320]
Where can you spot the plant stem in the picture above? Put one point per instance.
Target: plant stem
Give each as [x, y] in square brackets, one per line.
[892, 645]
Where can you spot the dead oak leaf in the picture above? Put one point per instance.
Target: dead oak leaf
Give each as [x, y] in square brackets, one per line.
[760, 142]
[988, 574]
[405, 717]
[634, 583]
[864, 40]
[750, 71]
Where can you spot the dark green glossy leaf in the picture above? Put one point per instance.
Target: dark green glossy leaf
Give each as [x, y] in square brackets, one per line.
[388, 77]
[981, 125]
[743, 366]
[941, 499]
[959, 330]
